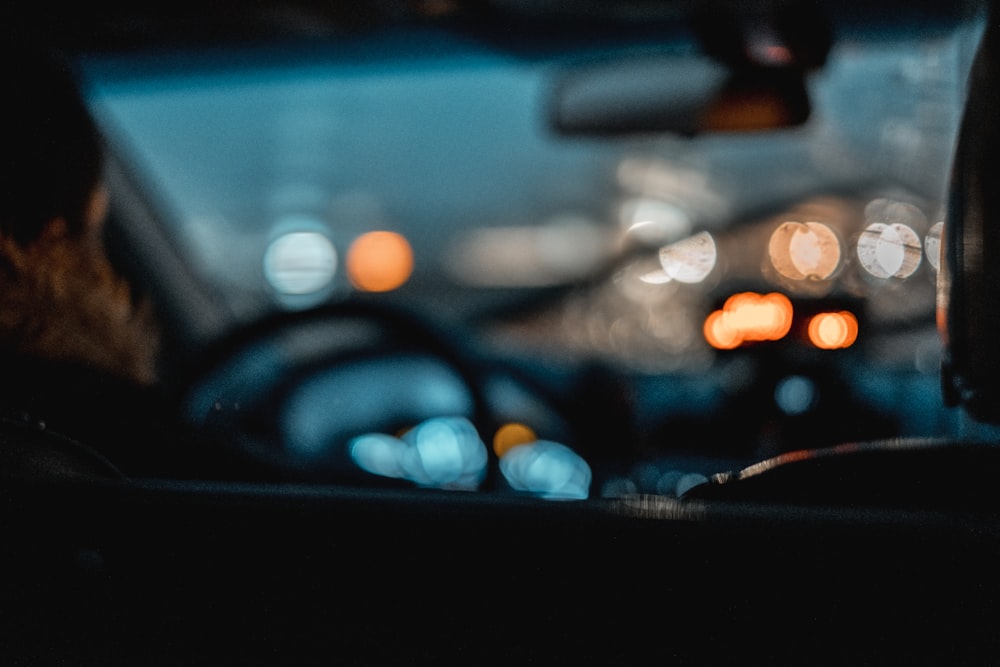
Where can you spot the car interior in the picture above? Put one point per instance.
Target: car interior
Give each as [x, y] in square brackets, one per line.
[533, 332]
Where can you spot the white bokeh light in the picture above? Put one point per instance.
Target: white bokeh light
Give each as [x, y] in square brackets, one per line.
[932, 245]
[690, 260]
[300, 263]
[654, 221]
[889, 251]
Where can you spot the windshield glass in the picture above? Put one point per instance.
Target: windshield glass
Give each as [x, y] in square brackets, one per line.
[749, 292]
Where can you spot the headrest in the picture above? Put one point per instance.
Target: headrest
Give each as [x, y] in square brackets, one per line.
[969, 281]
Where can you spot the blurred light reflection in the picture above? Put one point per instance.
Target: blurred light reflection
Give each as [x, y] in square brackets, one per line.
[889, 251]
[749, 317]
[833, 331]
[932, 245]
[300, 263]
[654, 221]
[795, 395]
[379, 454]
[511, 435]
[805, 251]
[547, 469]
[719, 335]
[655, 277]
[690, 260]
[444, 452]
[379, 261]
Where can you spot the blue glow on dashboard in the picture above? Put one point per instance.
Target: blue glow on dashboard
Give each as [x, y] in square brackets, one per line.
[547, 469]
[444, 452]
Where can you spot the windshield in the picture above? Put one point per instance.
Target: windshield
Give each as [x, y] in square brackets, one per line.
[744, 293]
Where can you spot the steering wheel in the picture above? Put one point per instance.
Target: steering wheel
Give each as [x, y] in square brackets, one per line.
[296, 389]
[362, 392]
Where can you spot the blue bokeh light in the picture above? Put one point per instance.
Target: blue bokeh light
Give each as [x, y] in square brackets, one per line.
[444, 452]
[548, 469]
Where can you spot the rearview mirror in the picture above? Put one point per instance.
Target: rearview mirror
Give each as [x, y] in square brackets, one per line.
[749, 73]
[678, 95]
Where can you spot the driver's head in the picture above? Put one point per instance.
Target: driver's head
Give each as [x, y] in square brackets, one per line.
[51, 155]
[60, 297]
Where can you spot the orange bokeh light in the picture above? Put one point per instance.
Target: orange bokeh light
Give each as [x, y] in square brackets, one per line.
[510, 436]
[379, 261]
[720, 336]
[833, 331]
[749, 317]
[805, 251]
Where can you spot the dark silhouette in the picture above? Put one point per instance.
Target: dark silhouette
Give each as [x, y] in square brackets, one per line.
[77, 354]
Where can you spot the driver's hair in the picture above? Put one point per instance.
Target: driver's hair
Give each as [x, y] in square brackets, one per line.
[51, 153]
[60, 298]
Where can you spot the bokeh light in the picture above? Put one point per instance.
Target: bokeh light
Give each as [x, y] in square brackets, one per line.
[444, 452]
[653, 221]
[833, 331]
[932, 245]
[889, 251]
[379, 261]
[655, 277]
[890, 247]
[547, 469]
[300, 263]
[805, 251]
[749, 317]
[690, 260]
[379, 454]
[719, 335]
[511, 435]
[796, 395]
